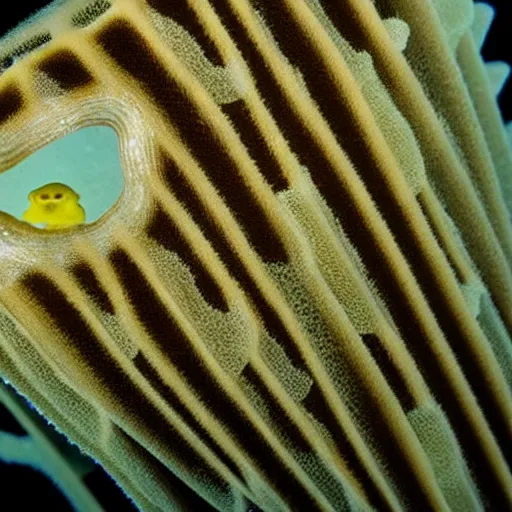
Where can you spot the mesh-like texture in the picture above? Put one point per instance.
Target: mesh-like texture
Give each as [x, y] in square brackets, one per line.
[302, 300]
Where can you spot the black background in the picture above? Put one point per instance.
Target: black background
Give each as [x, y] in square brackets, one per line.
[498, 46]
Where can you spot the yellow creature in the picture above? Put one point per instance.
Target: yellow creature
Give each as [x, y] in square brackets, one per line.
[55, 205]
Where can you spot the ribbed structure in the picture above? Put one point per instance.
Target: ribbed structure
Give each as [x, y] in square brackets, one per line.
[303, 299]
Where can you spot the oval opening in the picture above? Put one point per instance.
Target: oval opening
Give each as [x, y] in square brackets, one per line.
[87, 161]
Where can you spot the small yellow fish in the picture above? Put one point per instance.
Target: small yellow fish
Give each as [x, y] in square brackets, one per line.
[55, 205]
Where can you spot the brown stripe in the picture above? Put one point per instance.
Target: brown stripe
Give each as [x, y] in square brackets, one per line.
[342, 17]
[320, 472]
[11, 102]
[250, 134]
[182, 14]
[168, 394]
[455, 268]
[127, 47]
[172, 341]
[325, 92]
[184, 192]
[105, 371]
[390, 371]
[385, 8]
[66, 69]
[284, 429]
[88, 281]
[382, 442]
[164, 231]
[167, 233]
